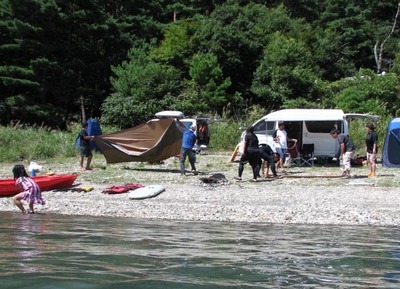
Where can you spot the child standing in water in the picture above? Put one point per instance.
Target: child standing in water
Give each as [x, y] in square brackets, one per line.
[30, 190]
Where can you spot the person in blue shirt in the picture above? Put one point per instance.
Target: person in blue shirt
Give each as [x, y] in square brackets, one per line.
[85, 150]
[188, 141]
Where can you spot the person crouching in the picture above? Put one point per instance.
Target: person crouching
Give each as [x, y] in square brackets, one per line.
[30, 190]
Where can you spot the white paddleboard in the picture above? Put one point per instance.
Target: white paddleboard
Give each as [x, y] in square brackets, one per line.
[149, 191]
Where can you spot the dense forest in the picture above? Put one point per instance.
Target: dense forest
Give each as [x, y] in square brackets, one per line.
[124, 60]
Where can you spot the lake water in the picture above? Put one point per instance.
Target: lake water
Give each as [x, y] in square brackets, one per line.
[52, 251]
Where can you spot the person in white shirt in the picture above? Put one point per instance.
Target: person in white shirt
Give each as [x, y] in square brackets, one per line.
[280, 138]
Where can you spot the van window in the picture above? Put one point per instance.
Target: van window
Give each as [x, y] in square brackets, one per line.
[323, 126]
[260, 126]
[187, 123]
[270, 127]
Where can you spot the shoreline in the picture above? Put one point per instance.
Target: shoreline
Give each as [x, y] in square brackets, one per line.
[297, 200]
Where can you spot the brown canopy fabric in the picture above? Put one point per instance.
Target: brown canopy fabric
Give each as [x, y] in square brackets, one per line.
[153, 141]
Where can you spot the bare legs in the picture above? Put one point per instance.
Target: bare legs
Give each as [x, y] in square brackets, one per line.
[371, 160]
[81, 163]
[17, 200]
[88, 161]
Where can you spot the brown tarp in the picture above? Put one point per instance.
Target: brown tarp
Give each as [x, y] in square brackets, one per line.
[153, 141]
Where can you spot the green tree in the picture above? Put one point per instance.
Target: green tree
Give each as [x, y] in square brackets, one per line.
[25, 55]
[237, 35]
[45, 69]
[206, 91]
[285, 73]
[350, 30]
[368, 92]
[178, 44]
[142, 87]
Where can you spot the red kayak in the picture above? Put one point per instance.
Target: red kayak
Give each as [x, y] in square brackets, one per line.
[45, 182]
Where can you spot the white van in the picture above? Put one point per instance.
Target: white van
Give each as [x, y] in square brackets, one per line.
[308, 126]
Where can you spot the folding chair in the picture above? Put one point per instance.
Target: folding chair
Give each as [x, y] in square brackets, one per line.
[307, 155]
[293, 151]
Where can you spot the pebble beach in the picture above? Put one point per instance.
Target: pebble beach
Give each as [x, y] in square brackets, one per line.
[305, 195]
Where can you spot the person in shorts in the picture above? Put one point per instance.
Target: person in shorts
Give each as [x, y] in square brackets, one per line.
[85, 150]
[251, 154]
[371, 148]
[280, 138]
[346, 151]
[268, 158]
[188, 142]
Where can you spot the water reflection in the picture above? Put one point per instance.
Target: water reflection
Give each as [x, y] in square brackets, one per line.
[76, 252]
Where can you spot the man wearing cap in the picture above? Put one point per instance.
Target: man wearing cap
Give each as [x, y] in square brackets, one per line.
[346, 151]
[188, 141]
[280, 138]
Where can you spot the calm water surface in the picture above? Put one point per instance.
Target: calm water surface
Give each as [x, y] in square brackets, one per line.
[50, 251]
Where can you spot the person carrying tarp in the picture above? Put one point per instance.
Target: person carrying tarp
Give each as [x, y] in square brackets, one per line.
[85, 150]
[188, 141]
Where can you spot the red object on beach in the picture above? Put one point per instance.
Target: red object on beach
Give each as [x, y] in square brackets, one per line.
[45, 182]
[121, 189]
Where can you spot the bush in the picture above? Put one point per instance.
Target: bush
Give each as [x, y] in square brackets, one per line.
[224, 135]
[35, 143]
[358, 131]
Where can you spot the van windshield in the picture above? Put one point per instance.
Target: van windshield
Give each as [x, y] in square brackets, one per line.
[323, 126]
[264, 126]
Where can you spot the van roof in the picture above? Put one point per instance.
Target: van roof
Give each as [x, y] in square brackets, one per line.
[169, 114]
[305, 114]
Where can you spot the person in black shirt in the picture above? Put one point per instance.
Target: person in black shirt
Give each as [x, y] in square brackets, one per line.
[268, 158]
[346, 151]
[250, 154]
[371, 148]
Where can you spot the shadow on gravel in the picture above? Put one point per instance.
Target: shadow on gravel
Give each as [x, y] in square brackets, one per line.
[154, 170]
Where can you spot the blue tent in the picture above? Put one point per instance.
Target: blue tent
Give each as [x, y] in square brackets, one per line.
[93, 129]
[391, 147]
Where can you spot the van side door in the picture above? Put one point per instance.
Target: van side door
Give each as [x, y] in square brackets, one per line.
[317, 133]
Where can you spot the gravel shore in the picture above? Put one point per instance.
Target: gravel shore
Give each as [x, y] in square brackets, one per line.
[308, 195]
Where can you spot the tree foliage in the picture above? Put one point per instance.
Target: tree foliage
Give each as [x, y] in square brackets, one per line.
[142, 87]
[369, 93]
[124, 60]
